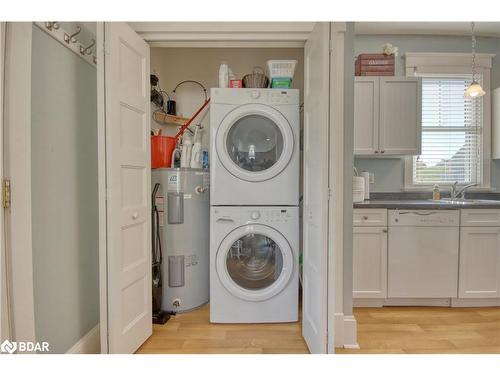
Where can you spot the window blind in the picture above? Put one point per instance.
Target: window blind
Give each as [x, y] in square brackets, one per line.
[451, 133]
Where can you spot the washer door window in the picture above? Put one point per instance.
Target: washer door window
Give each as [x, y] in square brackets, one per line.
[255, 262]
[255, 142]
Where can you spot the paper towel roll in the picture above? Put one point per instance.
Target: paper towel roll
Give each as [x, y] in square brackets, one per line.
[366, 177]
[358, 189]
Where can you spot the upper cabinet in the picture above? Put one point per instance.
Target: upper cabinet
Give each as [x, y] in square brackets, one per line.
[387, 115]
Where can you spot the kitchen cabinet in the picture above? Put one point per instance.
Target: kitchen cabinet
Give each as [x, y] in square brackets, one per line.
[387, 116]
[369, 262]
[479, 275]
[370, 253]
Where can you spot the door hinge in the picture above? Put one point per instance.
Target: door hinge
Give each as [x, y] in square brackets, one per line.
[6, 193]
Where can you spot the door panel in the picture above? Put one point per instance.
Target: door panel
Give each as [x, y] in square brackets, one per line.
[366, 116]
[479, 275]
[400, 116]
[128, 187]
[315, 235]
[369, 262]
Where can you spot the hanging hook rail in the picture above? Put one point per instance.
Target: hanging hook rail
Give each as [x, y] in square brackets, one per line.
[52, 25]
[56, 31]
[87, 50]
[71, 38]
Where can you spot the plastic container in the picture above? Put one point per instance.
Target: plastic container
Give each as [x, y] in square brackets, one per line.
[281, 68]
[223, 75]
[436, 194]
[281, 83]
[162, 148]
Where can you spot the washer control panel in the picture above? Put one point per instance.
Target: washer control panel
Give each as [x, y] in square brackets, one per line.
[270, 215]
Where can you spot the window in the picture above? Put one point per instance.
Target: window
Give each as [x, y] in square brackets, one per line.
[451, 133]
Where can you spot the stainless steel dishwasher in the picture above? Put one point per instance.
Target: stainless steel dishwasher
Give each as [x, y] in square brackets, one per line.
[423, 253]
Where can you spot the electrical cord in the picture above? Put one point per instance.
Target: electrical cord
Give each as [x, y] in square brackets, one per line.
[191, 81]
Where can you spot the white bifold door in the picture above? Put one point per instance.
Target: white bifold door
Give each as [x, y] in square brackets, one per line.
[315, 214]
[126, 316]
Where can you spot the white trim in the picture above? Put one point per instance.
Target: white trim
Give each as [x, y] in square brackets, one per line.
[441, 302]
[229, 44]
[475, 302]
[418, 64]
[88, 344]
[237, 32]
[368, 302]
[101, 170]
[350, 332]
[18, 169]
[4, 304]
[345, 331]
[414, 60]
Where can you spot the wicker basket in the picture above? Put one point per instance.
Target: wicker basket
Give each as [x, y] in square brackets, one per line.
[257, 79]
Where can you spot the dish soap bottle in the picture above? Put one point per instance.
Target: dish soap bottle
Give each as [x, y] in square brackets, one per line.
[436, 194]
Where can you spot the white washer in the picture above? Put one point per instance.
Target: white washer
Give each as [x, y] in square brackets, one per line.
[254, 254]
[254, 137]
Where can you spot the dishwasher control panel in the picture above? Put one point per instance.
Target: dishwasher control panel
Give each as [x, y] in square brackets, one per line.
[424, 218]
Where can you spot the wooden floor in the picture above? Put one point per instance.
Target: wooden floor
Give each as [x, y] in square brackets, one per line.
[380, 330]
[192, 333]
[427, 330]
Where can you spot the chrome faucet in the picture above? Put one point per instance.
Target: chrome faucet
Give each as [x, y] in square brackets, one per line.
[460, 193]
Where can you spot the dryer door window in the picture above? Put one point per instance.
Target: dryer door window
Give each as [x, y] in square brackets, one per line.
[255, 262]
[254, 142]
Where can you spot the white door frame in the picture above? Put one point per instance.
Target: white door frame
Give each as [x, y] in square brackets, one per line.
[17, 168]
[101, 170]
[4, 308]
[344, 326]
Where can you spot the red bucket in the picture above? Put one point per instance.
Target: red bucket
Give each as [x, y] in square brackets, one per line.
[162, 148]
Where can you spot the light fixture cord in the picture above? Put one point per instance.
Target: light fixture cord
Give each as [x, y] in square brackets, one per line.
[473, 53]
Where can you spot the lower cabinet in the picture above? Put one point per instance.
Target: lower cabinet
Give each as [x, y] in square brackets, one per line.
[479, 274]
[370, 262]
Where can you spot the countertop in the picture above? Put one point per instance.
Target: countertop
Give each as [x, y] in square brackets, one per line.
[425, 204]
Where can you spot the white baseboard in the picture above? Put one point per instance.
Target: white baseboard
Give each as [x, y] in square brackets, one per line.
[345, 331]
[368, 302]
[437, 302]
[350, 332]
[475, 302]
[88, 344]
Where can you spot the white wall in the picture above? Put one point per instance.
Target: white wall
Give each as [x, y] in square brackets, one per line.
[389, 173]
[64, 194]
[174, 65]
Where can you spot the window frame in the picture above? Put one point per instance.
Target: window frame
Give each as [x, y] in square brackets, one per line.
[452, 64]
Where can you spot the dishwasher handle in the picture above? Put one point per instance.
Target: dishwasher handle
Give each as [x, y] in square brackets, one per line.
[419, 213]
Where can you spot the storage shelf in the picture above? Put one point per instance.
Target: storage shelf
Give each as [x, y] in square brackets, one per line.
[166, 119]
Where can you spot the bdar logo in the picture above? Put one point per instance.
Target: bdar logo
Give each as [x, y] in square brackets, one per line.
[8, 347]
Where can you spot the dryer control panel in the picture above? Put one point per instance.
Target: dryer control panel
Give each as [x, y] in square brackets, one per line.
[254, 95]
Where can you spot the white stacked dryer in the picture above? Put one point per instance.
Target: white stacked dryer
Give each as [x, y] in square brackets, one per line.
[254, 218]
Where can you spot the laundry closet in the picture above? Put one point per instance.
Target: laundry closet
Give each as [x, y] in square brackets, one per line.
[264, 222]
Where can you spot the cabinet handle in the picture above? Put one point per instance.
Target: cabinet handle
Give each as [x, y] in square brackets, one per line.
[382, 151]
[376, 151]
[384, 230]
[365, 217]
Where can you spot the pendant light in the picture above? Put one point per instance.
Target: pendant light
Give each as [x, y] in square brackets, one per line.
[474, 90]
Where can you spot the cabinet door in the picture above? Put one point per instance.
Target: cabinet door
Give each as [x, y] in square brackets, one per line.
[400, 116]
[366, 113]
[369, 262]
[479, 275]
